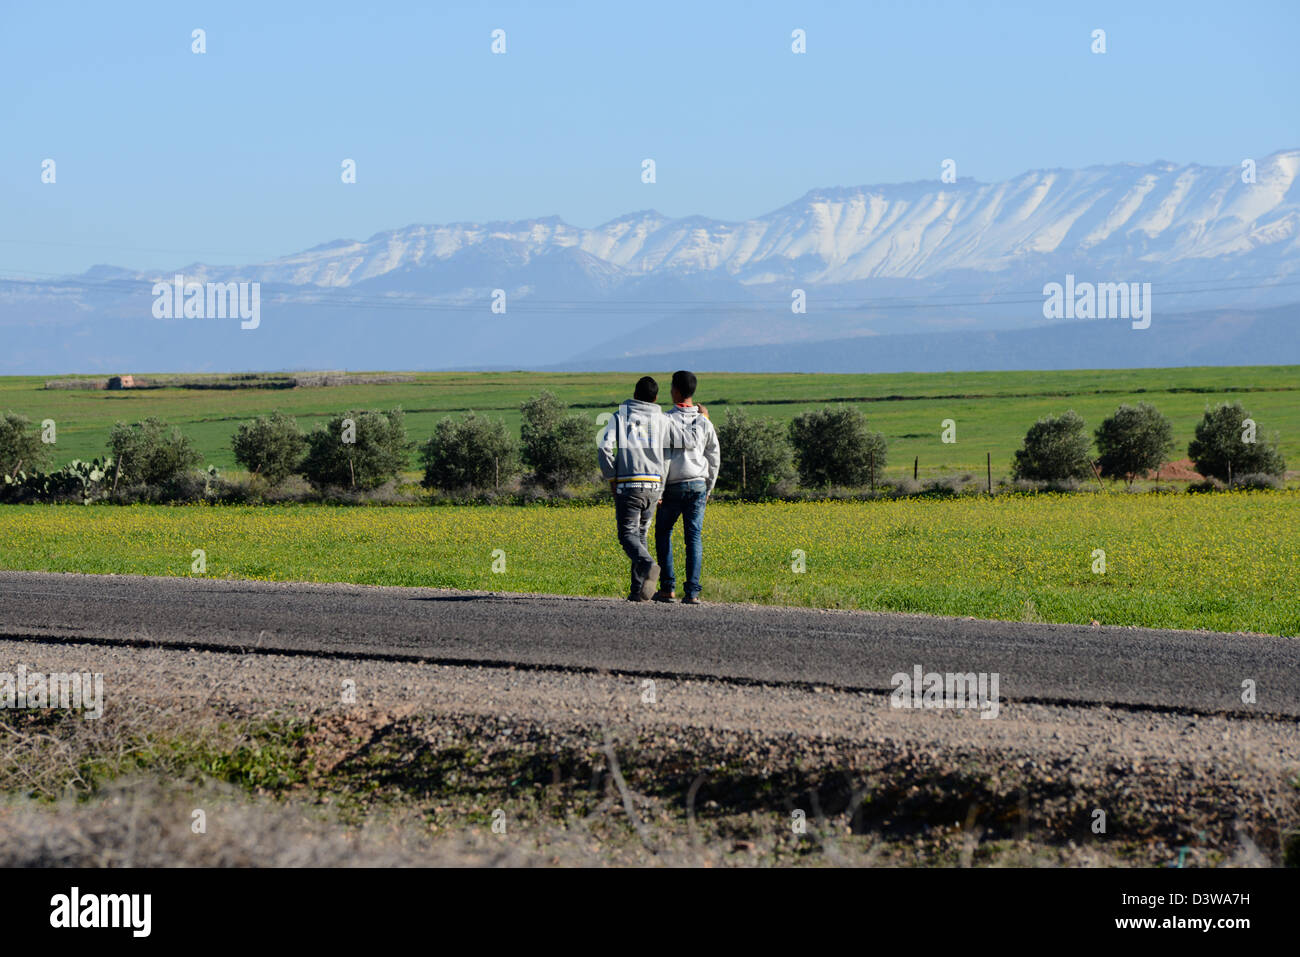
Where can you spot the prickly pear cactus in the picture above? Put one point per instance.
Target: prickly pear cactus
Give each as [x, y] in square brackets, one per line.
[83, 480]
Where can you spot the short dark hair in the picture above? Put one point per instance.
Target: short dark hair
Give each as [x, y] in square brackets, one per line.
[647, 389]
[684, 382]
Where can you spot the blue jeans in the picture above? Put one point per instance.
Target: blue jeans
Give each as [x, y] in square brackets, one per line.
[686, 499]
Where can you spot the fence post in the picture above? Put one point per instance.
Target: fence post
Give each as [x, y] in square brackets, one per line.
[988, 464]
[915, 463]
[873, 471]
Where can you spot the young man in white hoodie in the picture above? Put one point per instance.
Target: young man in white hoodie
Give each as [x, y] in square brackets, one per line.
[692, 473]
[633, 455]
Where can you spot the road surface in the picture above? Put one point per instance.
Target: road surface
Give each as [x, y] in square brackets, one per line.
[1130, 668]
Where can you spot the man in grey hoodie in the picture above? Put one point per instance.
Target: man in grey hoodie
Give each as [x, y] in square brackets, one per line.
[632, 453]
[692, 473]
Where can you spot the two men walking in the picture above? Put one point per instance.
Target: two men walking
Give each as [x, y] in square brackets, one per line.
[648, 457]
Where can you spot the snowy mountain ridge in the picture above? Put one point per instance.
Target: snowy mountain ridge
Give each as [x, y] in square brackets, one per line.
[1160, 214]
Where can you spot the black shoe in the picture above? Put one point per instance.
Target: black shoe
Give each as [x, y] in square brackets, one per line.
[691, 600]
[665, 596]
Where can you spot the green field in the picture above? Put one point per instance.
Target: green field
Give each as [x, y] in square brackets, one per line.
[1227, 562]
[992, 409]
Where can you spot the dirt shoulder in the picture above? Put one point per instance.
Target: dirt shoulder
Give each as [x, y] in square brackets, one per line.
[357, 761]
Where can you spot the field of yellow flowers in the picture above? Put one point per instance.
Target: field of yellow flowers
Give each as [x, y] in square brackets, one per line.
[1228, 562]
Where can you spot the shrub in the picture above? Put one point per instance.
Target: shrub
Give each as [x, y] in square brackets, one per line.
[1134, 440]
[559, 447]
[473, 452]
[1055, 449]
[292, 490]
[270, 446]
[943, 488]
[906, 488]
[1220, 450]
[1257, 480]
[150, 452]
[357, 450]
[191, 485]
[756, 458]
[20, 449]
[1162, 489]
[77, 481]
[389, 493]
[833, 446]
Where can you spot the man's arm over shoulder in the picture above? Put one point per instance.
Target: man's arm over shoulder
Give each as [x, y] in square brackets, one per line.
[713, 455]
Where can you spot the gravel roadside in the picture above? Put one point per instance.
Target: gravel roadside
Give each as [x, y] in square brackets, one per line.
[917, 786]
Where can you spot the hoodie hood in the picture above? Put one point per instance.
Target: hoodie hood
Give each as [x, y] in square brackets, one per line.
[636, 405]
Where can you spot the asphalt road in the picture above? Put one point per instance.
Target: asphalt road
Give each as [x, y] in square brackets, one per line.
[1198, 672]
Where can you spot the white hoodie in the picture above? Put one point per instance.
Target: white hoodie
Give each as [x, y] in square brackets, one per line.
[700, 462]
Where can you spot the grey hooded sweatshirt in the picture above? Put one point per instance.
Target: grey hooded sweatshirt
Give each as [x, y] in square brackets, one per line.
[634, 447]
[700, 462]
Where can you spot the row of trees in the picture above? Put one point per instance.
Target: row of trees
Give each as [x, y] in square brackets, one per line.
[821, 447]
[831, 446]
[478, 452]
[364, 450]
[146, 453]
[357, 450]
[1138, 439]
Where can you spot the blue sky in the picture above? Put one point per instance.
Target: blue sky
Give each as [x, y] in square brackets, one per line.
[165, 157]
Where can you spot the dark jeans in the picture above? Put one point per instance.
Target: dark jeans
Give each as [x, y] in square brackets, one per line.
[633, 511]
[686, 499]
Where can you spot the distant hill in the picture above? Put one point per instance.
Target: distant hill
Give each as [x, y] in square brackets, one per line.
[935, 259]
[1229, 337]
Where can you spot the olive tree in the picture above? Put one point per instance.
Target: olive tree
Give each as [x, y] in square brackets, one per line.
[1136, 439]
[1055, 448]
[833, 446]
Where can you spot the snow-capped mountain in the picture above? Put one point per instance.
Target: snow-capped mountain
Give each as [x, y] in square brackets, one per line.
[1157, 215]
[943, 259]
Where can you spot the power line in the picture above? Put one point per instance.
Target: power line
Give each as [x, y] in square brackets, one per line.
[325, 299]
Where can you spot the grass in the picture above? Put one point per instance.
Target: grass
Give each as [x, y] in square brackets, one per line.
[992, 409]
[49, 754]
[1228, 562]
